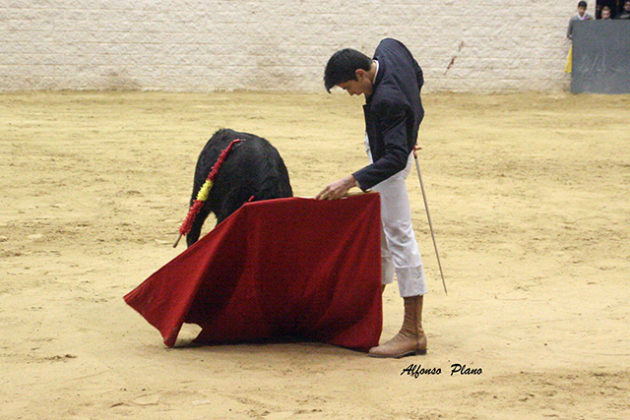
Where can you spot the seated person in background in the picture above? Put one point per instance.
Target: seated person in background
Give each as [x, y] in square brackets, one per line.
[612, 5]
[581, 15]
[625, 13]
[605, 13]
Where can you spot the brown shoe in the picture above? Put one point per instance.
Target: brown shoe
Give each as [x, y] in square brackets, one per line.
[410, 339]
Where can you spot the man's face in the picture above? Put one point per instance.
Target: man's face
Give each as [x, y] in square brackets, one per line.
[606, 14]
[581, 10]
[353, 87]
[363, 84]
[626, 6]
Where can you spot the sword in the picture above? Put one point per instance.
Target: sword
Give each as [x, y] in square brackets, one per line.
[426, 206]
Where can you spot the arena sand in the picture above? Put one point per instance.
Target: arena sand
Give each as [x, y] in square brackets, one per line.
[529, 194]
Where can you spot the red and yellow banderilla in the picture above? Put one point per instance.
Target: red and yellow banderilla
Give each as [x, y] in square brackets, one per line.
[204, 193]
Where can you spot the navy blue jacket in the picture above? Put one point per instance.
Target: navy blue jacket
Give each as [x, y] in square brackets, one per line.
[393, 112]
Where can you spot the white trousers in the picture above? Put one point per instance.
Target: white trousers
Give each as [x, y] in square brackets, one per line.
[399, 249]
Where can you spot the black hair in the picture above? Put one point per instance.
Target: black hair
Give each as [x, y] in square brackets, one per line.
[582, 4]
[342, 65]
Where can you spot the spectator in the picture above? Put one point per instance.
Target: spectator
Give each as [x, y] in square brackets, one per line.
[605, 13]
[581, 15]
[613, 5]
[625, 13]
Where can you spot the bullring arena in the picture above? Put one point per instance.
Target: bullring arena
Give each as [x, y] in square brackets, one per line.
[528, 192]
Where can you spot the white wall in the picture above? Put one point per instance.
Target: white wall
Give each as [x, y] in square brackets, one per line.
[194, 45]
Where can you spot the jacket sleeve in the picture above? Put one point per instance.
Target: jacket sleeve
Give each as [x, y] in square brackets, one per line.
[419, 75]
[392, 123]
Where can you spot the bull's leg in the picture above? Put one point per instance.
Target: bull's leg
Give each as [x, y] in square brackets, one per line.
[195, 230]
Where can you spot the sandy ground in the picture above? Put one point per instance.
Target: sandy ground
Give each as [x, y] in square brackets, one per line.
[530, 195]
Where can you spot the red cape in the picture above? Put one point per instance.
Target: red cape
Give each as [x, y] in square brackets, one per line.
[290, 267]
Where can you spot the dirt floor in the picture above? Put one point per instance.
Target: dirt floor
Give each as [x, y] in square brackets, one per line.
[529, 193]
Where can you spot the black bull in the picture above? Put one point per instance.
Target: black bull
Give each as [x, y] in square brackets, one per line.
[253, 168]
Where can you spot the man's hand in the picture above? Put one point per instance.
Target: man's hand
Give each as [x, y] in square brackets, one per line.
[337, 189]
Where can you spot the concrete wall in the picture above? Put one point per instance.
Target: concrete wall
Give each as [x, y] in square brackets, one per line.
[195, 45]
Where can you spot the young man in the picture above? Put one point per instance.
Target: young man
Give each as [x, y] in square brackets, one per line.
[581, 15]
[391, 82]
[625, 13]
